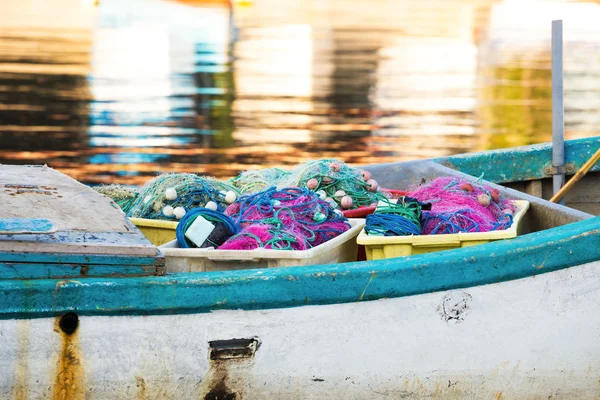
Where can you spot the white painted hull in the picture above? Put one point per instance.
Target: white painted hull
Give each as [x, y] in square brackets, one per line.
[531, 338]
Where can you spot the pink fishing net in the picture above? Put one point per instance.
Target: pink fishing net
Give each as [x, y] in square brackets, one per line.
[461, 206]
[287, 219]
[266, 236]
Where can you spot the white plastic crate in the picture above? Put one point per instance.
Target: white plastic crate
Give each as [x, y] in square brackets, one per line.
[342, 248]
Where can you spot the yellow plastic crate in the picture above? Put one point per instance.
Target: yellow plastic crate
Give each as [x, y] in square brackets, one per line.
[158, 232]
[379, 247]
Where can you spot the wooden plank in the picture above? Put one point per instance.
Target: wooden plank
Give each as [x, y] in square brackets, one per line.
[585, 196]
[58, 271]
[86, 222]
[534, 188]
[42, 192]
[580, 174]
[116, 243]
[87, 259]
[590, 208]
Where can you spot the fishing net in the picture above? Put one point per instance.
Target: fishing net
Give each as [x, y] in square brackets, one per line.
[337, 183]
[174, 190]
[268, 237]
[286, 219]
[254, 181]
[123, 196]
[458, 205]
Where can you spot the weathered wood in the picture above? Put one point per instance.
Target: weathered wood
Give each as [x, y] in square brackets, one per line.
[81, 219]
[585, 196]
[63, 270]
[580, 174]
[534, 188]
[42, 192]
[116, 243]
[88, 259]
[319, 352]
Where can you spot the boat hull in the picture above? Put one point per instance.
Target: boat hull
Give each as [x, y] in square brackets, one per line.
[529, 338]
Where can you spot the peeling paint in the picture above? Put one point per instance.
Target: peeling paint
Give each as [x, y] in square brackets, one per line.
[373, 275]
[506, 165]
[60, 284]
[543, 262]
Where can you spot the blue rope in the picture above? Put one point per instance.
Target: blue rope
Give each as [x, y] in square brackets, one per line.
[191, 197]
[264, 203]
[451, 219]
[390, 225]
[210, 215]
[452, 222]
[504, 222]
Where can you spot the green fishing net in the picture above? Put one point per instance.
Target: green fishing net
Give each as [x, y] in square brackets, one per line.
[192, 191]
[254, 181]
[123, 196]
[331, 178]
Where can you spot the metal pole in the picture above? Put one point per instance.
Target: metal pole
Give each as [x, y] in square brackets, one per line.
[558, 110]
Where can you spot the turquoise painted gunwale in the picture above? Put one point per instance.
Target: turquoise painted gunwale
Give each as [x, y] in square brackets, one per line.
[47, 270]
[50, 265]
[62, 258]
[541, 252]
[521, 163]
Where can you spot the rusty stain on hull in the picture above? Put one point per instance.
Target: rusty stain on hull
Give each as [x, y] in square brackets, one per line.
[68, 382]
[229, 361]
[217, 384]
[20, 390]
[141, 385]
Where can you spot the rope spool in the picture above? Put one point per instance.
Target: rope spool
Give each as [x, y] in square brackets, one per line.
[225, 227]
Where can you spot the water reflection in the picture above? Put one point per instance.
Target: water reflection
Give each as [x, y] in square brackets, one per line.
[127, 89]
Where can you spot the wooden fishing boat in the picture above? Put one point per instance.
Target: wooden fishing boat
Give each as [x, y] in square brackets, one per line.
[509, 319]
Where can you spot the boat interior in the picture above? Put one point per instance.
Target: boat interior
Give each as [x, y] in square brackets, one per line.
[89, 236]
[541, 215]
[583, 196]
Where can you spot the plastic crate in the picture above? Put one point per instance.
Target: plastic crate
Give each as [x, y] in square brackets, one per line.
[342, 248]
[158, 232]
[380, 247]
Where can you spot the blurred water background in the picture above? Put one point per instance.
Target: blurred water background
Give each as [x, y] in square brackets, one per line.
[121, 90]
